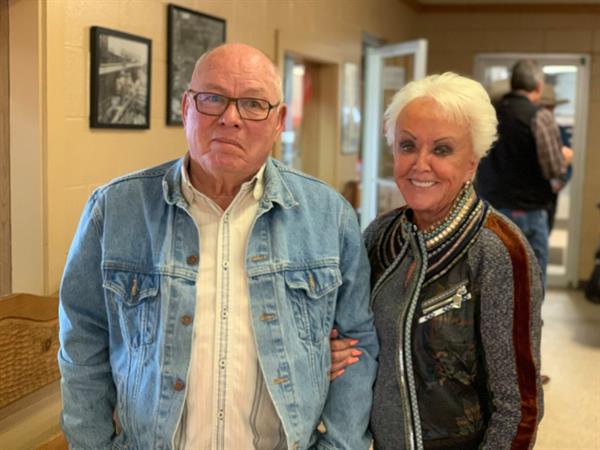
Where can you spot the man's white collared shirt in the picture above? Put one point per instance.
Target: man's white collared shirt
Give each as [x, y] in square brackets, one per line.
[227, 404]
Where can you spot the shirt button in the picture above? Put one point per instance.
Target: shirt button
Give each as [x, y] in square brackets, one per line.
[226, 218]
[222, 363]
[224, 314]
[226, 265]
[192, 259]
[178, 385]
[220, 415]
[186, 320]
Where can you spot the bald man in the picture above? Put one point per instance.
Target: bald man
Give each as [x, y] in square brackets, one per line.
[199, 295]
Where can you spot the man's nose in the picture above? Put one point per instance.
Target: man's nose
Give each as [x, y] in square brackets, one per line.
[230, 116]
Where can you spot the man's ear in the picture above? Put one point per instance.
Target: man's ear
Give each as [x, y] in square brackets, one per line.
[281, 115]
[184, 107]
[540, 86]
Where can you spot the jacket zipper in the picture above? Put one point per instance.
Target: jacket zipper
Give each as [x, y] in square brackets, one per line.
[412, 418]
[453, 302]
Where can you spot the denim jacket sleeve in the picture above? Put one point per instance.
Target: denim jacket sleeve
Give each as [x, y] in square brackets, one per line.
[87, 385]
[347, 410]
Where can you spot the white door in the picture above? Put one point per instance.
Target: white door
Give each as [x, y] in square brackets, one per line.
[569, 74]
[387, 69]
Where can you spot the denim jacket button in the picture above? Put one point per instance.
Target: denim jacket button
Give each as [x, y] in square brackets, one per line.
[178, 385]
[192, 259]
[267, 317]
[186, 320]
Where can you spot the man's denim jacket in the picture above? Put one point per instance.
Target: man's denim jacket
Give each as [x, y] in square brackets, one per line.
[128, 298]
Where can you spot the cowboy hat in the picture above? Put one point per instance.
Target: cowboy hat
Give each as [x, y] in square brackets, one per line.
[548, 97]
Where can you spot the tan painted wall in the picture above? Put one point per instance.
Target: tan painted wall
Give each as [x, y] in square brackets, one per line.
[77, 159]
[455, 39]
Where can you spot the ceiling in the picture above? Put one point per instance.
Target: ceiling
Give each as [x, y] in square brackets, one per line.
[506, 2]
[517, 6]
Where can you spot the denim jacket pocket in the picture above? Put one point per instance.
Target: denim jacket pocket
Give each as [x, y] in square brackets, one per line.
[135, 295]
[313, 292]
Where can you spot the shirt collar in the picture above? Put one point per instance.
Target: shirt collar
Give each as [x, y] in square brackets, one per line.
[256, 183]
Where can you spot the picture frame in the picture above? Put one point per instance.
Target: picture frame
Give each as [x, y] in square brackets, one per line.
[350, 112]
[120, 79]
[190, 34]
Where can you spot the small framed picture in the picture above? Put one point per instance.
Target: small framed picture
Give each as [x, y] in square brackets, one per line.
[120, 79]
[190, 34]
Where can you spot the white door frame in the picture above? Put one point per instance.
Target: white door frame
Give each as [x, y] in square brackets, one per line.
[373, 115]
[582, 61]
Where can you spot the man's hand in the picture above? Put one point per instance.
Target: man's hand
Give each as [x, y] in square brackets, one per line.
[567, 153]
[343, 354]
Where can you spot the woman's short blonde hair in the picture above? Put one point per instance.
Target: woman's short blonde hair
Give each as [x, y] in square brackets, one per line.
[460, 97]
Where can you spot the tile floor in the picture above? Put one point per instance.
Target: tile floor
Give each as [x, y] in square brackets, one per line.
[571, 357]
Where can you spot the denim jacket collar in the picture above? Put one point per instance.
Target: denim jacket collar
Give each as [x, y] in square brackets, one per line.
[275, 188]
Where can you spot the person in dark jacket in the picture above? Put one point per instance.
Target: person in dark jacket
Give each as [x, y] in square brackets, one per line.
[515, 177]
[455, 288]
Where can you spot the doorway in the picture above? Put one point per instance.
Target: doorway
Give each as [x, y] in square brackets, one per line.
[5, 243]
[388, 68]
[569, 75]
[309, 139]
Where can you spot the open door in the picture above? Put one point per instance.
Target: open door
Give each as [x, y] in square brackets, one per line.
[569, 75]
[387, 68]
[310, 91]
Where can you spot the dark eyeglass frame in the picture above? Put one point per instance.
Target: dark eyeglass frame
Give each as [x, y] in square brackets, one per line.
[195, 94]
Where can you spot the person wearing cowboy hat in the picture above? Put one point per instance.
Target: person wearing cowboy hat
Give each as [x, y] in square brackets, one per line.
[549, 101]
[548, 98]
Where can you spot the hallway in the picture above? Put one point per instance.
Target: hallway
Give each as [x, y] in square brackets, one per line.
[571, 357]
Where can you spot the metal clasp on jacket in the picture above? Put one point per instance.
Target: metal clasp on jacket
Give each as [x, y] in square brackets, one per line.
[446, 304]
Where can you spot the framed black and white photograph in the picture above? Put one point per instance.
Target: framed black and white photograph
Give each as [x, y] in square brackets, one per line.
[120, 79]
[190, 34]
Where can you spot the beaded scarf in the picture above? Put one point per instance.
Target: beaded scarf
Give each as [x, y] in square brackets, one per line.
[445, 242]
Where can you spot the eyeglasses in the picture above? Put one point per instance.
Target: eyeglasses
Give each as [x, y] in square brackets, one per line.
[248, 108]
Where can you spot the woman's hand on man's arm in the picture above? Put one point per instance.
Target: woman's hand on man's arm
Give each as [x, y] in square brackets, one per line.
[343, 354]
